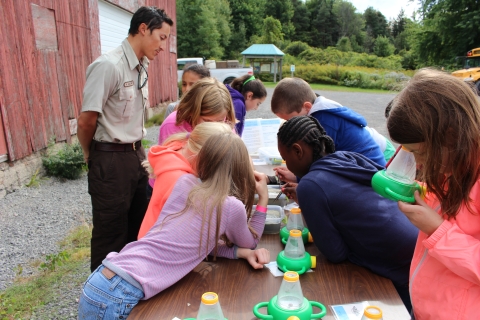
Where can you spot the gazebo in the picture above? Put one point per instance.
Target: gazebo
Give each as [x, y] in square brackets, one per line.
[264, 51]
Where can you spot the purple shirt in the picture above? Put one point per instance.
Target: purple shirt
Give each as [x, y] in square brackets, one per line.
[169, 251]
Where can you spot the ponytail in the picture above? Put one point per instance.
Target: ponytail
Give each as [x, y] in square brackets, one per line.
[249, 83]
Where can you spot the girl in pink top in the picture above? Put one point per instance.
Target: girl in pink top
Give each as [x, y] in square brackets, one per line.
[437, 118]
[172, 160]
[211, 214]
[207, 101]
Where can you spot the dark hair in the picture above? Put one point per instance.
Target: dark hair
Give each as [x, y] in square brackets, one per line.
[443, 113]
[254, 86]
[308, 130]
[199, 69]
[153, 17]
[290, 94]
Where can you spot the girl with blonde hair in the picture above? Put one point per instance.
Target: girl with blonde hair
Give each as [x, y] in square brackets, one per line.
[166, 163]
[207, 101]
[437, 118]
[200, 212]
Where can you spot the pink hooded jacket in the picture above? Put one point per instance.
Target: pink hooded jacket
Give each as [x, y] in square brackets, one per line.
[168, 165]
[445, 269]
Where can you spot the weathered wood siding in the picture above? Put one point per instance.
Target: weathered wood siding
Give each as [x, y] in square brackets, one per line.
[46, 48]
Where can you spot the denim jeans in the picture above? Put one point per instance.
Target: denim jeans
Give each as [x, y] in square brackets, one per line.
[107, 299]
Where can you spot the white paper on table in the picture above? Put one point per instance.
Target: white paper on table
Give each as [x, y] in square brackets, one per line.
[258, 133]
[272, 266]
[351, 311]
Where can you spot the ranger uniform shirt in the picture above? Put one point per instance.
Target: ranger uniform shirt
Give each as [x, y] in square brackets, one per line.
[111, 89]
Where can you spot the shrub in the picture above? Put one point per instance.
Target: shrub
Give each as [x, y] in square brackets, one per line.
[68, 163]
[296, 47]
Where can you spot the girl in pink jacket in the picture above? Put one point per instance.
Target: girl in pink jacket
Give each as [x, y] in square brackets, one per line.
[437, 118]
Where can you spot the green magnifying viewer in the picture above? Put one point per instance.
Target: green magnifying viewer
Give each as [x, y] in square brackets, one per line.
[397, 182]
[295, 222]
[294, 257]
[289, 303]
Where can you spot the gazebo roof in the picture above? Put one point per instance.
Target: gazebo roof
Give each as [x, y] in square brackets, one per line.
[266, 50]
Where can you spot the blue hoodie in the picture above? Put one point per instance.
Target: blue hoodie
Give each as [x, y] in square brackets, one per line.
[346, 128]
[240, 109]
[350, 221]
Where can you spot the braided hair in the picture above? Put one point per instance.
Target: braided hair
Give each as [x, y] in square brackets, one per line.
[308, 130]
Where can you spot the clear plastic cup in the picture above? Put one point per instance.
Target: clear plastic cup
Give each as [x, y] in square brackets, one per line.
[290, 296]
[295, 248]
[210, 307]
[295, 221]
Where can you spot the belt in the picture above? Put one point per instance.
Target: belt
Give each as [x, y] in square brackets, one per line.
[117, 147]
[109, 274]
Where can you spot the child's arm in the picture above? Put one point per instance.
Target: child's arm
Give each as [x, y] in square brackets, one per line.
[327, 238]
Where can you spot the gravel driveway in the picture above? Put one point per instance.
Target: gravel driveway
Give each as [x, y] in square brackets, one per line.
[33, 220]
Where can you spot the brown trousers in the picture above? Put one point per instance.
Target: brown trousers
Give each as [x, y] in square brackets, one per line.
[117, 186]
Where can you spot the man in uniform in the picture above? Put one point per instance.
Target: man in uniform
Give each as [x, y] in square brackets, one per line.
[110, 130]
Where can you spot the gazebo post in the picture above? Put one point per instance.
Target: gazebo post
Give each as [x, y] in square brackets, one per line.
[281, 61]
[243, 65]
[275, 69]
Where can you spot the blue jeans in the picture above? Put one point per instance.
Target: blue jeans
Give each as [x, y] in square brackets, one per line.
[107, 299]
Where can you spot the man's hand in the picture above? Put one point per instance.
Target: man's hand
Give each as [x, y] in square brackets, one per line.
[284, 174]
[87, 125]
[257, 258]
[290, 190]
[421, 215]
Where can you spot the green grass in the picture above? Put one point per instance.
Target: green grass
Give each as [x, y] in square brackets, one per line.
[330, 87]
[30, 293]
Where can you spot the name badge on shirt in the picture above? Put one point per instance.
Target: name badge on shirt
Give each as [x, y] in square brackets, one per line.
[128, 83]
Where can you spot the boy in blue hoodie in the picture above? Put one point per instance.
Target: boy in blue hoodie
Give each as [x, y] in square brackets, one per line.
[347, 218]
[348, 129]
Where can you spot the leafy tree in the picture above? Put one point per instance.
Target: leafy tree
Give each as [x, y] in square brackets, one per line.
[324, 27]
[295, 48]
[250, 12]
[301, 21]
[450, 28]
[203, 28]
[349, 22]
[375, 22]
[344, 44]
[282, 10]
[398, 25]
[383, 47]
[272, 30]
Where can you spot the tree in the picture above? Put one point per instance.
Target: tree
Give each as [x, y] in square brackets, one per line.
[383, 47]
[272, 30]
[282, 10]
[301, 21]
[349, 22]
[450, 28]
[375, 22]
[250, 12]
[344, 44]
[324, 28]
[203, 28]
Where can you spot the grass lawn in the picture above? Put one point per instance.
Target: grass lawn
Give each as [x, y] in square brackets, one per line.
[331, 87]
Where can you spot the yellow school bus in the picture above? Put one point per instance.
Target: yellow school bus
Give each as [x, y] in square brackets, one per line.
[471, 68]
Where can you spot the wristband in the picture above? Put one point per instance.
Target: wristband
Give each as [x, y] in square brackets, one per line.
[261, 209]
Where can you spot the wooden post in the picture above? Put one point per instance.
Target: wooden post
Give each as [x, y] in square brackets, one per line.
[281, 61]
[243, 65]
[274, 69]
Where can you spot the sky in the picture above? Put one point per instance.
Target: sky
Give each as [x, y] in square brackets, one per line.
[389, 8]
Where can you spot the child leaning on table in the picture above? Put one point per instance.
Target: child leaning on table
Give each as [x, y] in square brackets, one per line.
[347, 218]
[210, 214]
[437, 117]
[207, 101]
[170, 161]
